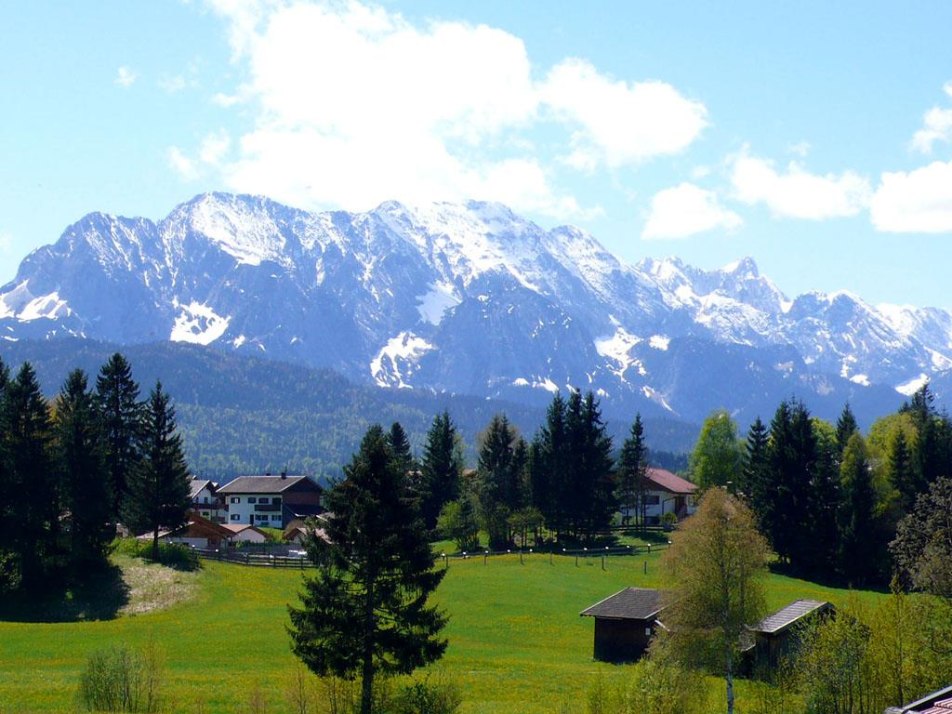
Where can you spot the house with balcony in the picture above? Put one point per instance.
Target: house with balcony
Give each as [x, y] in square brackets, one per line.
[272, 501]
[205, 500]
[665, 492]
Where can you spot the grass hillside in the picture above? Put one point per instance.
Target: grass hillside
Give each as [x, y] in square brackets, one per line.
[517, 643]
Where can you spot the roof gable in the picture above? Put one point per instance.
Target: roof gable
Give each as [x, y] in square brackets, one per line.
[787, 616]
[667, 481]
[268, 484]
[627, 604]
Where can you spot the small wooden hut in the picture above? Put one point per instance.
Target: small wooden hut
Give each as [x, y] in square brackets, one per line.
[624, 624]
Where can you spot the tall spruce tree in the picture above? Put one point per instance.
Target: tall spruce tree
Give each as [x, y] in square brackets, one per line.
[548, 468]
[858, 532]
[117, 401]
[31, 530]
[400, 443]
[632, 468]
[591, 493]
[440, 469]
[158, 493]
[755, 474]
[80, 454]
[365, 610]
[900, 472]
[499, 473]
[846, 426]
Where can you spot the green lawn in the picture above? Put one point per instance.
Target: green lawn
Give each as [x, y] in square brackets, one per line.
[517, 643]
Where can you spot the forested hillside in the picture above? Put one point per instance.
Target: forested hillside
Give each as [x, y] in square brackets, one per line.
[244, 414]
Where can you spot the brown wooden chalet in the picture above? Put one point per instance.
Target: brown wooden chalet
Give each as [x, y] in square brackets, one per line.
[624, 623]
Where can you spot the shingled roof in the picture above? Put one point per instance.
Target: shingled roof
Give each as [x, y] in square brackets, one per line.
[782, 619]
[262, 484]
[669, 482]
[627, 604]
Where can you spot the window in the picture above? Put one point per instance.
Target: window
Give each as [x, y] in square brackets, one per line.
[652, 499]
[204, 499]
[276, 519]
[262, 518]
[235, 516]
[252, 499]
[263, 500]
[235, 499]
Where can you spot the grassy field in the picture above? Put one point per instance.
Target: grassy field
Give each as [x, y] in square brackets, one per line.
[517, 643]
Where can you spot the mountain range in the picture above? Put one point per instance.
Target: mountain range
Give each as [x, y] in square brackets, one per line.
[471, 299]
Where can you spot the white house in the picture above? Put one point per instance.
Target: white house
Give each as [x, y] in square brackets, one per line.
[270, 501]
[205, 500]
[666, 492]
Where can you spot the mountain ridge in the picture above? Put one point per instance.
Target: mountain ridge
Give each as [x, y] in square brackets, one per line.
[469, 299]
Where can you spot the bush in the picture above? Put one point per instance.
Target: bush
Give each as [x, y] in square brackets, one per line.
[669, 521]
[172, 555]
[426, 698]
[118, 679]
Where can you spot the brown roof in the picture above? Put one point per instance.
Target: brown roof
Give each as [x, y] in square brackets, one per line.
[668, 481]
[782, 619]
[627, 604]
[265, 484]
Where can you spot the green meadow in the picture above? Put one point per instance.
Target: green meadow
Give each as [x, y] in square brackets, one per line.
[516, 641]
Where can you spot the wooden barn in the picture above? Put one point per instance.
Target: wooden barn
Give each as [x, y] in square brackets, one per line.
[624, 624]
[776, 635]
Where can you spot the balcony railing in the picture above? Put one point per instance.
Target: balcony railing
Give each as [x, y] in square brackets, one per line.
[267, 507]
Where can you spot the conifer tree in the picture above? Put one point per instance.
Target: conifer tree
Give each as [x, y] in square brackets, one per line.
[900, 472]
[502, 459]
[548, 468]
[365, 610]
[632, 468]
[441, 468]
[158, 487]
[755, 474]
[31, 528]
[846, 426]
[117, 401]
[591, 493]
[87, 498]
[855, 517]
[400, 443]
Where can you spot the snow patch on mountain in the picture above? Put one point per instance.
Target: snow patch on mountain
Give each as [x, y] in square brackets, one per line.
[913, 385]
[397, 360]
[198, 324]
[22, 305]
[617, 348]
[433, 305]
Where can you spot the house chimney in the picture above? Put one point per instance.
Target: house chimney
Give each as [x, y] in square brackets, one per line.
[284, 474]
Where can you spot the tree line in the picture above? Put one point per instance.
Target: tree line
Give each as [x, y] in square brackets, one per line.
[831, 501]
[74, 467]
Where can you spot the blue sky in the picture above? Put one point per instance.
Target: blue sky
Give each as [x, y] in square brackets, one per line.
[815, 137]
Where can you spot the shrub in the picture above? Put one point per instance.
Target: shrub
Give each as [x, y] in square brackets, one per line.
[118, 679]
[428, 698]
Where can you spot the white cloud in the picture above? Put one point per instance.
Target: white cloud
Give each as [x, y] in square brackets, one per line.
[918, 201]
[125, 77]
[620, 123]
[686, 210]
[181, 164]
[353, 105]
[173, 84]
[796, 193]
[936, 126]
[6, 243]
[214, 147]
